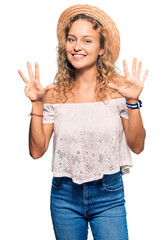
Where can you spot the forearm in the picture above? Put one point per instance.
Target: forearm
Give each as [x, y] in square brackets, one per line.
[37, 139]
[136, 131]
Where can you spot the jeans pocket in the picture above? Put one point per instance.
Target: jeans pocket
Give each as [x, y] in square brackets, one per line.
[114, 183]
[57, 182]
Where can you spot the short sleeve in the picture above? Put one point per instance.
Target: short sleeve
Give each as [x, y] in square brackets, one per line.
[123, 109]
[48, 113]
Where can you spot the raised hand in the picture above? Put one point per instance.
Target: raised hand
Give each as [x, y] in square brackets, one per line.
[34, 90]
[133, 86]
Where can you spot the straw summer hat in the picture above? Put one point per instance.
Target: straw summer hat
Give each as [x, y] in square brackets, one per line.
[96, 13]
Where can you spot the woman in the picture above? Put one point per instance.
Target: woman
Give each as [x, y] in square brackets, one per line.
[95, 116]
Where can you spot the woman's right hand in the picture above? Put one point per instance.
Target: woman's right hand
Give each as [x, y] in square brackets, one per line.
[34, 90]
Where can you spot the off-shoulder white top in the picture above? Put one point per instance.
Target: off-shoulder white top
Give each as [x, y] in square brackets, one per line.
[89, 139]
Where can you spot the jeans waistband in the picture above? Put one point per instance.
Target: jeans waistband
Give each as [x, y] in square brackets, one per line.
[105, 178]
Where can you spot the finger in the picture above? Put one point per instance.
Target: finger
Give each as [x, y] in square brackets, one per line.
[36, 70]
[30, 70]
[134, 66]
[145, 76]
[111, 85]
[49, 87]
[23, 77]
[26, 90]
[139, 70]
[125, 68]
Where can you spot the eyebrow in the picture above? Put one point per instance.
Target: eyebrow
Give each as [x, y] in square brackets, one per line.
[83, 35]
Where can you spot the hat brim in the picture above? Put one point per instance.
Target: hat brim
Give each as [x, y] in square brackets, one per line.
[95, 13]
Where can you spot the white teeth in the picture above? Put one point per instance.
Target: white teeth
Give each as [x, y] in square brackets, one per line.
[77, 55]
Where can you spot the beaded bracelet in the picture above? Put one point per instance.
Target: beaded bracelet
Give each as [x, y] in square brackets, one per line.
[134, 106]
[34, 114]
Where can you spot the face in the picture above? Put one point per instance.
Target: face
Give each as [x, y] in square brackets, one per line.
[83, 46]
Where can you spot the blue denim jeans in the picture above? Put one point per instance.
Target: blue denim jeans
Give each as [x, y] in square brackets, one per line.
[100, 202]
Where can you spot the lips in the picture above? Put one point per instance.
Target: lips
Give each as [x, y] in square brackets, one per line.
[78, 56]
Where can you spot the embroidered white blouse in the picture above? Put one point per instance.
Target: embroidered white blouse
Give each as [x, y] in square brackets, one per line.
[89, 139]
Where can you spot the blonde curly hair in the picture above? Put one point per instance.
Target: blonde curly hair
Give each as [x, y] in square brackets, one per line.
[65, 77]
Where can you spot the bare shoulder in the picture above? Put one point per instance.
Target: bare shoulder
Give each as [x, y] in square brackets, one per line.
[50, 97]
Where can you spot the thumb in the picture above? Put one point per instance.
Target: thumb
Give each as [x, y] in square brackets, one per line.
[50, 86]
[111, 85]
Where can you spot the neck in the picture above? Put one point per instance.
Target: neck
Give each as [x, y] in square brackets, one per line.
[85, 79]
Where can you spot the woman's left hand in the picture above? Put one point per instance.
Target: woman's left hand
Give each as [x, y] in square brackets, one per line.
[133, 86]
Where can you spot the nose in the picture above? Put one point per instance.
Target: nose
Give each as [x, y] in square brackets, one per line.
[78, 46]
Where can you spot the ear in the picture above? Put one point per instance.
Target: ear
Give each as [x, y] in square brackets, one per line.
[101, 52]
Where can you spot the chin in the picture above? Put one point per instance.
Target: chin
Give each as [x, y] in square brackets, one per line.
[77, 65]
[81, 66]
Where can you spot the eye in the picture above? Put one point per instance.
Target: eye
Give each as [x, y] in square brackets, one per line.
[70, 39]
[87, 41]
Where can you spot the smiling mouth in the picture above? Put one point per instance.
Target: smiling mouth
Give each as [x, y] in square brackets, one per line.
[78, 56]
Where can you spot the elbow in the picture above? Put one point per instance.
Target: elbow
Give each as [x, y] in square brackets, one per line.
[36, 152]
[136, 145]
[137, 150]
[35, 155]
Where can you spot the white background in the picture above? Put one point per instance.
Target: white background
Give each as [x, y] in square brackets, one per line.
[28, 33]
